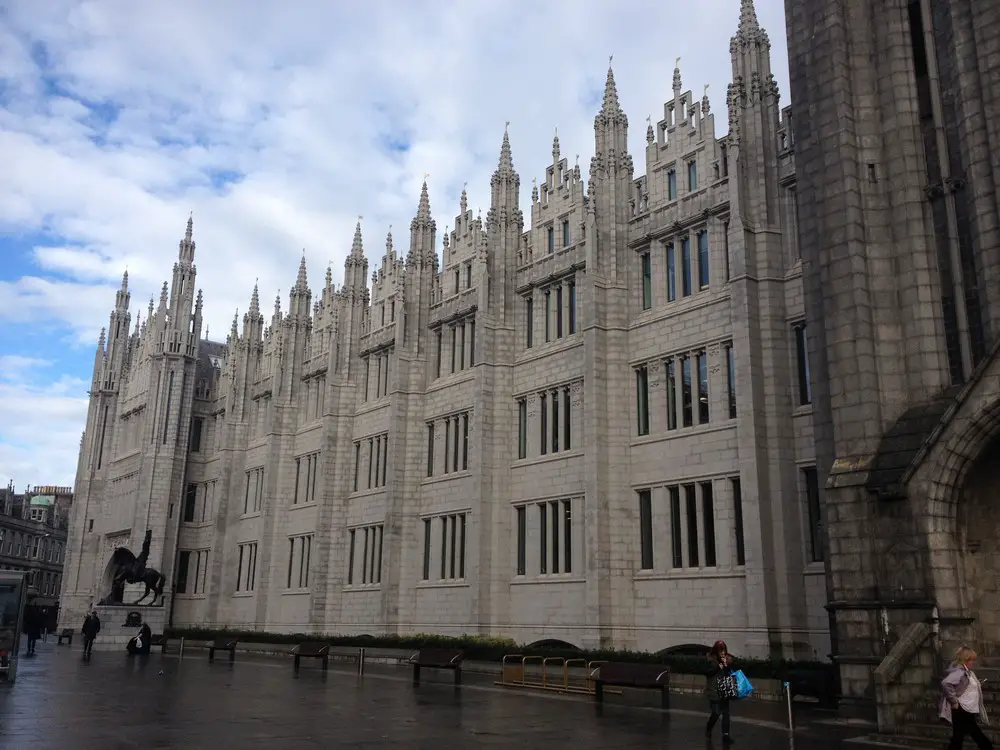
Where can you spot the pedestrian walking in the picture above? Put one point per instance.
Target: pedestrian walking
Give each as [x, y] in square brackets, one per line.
[720, 665]
[32, 628]
[962, 702]
[91, 627]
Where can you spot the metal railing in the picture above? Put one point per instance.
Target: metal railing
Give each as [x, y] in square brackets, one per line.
[553, 673]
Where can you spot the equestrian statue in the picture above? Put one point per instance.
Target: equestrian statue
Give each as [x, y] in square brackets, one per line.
[131, 569]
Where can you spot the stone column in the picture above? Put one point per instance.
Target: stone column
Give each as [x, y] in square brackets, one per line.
[657, 399]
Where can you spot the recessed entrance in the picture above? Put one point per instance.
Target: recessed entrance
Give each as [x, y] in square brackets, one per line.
[979, 546]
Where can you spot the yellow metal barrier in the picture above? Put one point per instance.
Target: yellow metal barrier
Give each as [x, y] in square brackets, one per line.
[511, 671]
[525, 661]
[571, 681]
[555, 674]
[558, 660]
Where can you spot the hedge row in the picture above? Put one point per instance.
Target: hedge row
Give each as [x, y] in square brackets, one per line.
[485, 648]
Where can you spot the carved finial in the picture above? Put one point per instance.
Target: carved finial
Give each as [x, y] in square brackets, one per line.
[426, 175]
[649, 120]
[505, 126]
[705, 91]
[610, 59]
[206, 331]
[360, 217]
[677, 62]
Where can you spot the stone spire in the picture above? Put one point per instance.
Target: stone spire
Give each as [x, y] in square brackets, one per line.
[505, 166]
[555, 147]
[122, 296]
[463, 203]
[749, 34]
[650, 135]
[255, 300]
[301, 282]
[185, 250]
[705, 106]
[678, 86]
[163, 296]
[329, 276]
[611, 108]
[534, 190]
[357, 248]
[388, 245]
[424, 207]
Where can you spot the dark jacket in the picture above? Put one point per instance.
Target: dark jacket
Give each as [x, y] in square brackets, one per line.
[91, 626]
[715, 672]
[32, 623]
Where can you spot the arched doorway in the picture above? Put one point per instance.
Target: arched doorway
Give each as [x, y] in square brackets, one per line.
[979, 545]
[978, 531]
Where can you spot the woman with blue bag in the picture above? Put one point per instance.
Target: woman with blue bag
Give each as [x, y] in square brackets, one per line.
[720, 689]
[724, 685]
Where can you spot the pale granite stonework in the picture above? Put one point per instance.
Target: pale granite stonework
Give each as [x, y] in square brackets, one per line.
[591, 430]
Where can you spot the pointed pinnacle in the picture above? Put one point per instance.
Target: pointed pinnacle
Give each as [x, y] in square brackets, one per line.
[300, 280]
[748, 16]
[506, 163]
[255, 300]
[424, 207]
[610, 104]
[189, 232]
[357, 249]
[125, 281]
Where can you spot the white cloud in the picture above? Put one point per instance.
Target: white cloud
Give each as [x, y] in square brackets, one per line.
[117, 119]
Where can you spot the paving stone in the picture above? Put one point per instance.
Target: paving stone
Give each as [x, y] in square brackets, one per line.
[116, 701]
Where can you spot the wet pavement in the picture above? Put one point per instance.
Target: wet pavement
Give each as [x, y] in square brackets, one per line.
[116, 702]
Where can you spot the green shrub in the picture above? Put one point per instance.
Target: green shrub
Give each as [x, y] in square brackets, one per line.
[493, 648]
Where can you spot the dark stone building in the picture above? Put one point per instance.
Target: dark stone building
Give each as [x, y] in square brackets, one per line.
[33, 527]
[897, 153]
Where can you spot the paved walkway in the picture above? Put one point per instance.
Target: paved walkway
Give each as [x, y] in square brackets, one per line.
[114, 702]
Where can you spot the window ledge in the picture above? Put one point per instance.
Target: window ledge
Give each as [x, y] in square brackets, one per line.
[547, 579]
[253, 514]
[446, 477]
[356, 588]
[297, 592]
[299, 506]
[243, 595]
[199, 524]
[687, 574]
[190, 597]
[456, 584]
[522, 462]
[683, 432]
[804, 410]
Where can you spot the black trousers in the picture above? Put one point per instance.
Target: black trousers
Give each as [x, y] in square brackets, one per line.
[719, 708]
[88, 644]
[964, 724]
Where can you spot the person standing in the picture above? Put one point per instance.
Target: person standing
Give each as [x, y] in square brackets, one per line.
[962, 702]
[91, 627]
[720, 665]
[32, 628]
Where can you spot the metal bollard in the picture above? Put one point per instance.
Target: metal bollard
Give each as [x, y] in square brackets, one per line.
[361, 661]
[180, 654]
[788, 694]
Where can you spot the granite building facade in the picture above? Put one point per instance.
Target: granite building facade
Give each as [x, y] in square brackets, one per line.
[596, 430]
[898, 161]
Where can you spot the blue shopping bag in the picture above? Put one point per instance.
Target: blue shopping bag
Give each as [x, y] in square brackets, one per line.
[743, 686]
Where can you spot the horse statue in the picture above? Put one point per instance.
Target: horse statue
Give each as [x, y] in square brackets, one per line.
[131, 569]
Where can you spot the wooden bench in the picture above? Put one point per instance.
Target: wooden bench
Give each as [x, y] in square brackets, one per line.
[624, 674]
[68, 634]
[222, 644]
[437, 658]
[159, 639]
[312, 650]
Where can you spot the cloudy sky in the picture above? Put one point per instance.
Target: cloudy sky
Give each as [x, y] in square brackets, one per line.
[277, 124]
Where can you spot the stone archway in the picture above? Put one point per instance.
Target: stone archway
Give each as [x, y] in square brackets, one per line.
[978, 545]
[961, 515]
